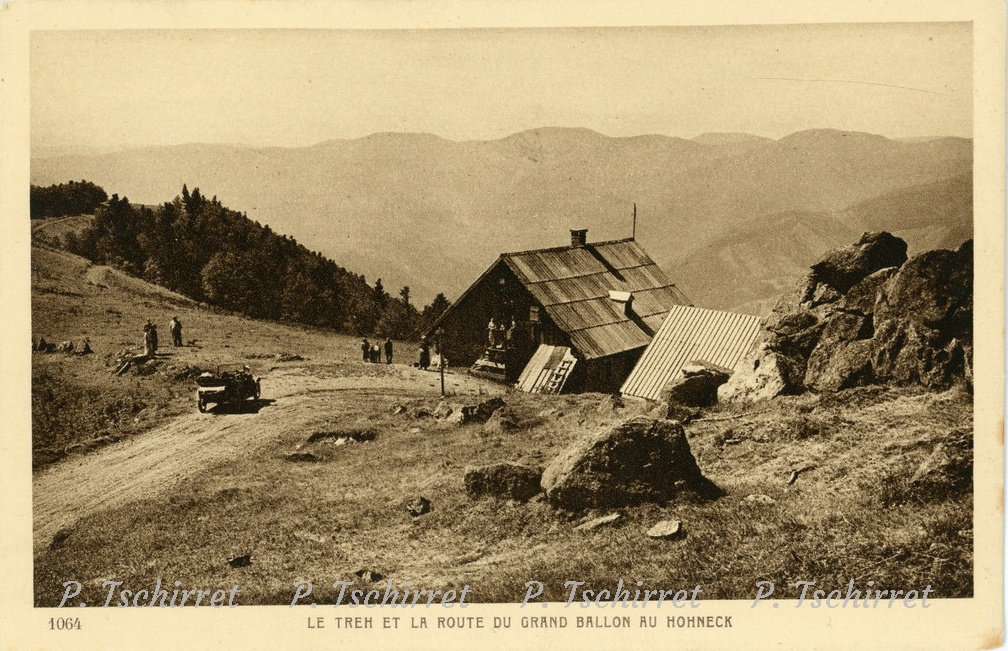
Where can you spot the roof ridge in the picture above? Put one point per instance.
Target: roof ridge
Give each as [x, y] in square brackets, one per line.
[566, 247]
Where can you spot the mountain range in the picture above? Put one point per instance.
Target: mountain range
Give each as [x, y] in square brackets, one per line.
[733, 218]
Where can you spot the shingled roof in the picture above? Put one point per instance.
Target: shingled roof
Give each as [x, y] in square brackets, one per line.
[573, 286]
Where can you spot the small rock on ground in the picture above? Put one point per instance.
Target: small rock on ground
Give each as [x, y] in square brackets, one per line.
[598, 522]
[666, 530]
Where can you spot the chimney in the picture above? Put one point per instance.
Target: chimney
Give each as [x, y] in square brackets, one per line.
[579, 237]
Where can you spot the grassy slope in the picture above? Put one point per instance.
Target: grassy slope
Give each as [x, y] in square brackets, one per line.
[78, 402]
[322, 521]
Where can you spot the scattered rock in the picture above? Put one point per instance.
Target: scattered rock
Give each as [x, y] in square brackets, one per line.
[240, 561]
[419, 506]
[370, 576]
[422, 412]
[288, 357]
[66, 347]
[666, 530]
[697, 387]
[504, 481]
[479, 413]
[302, 457]
[639, 460]
[595, 523]
[342, 436]
[399, 409]
[842, 268]
[758, 500]
[442, 411]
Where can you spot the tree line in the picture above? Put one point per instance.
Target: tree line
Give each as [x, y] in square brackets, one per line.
[201, 249]
[65, 199]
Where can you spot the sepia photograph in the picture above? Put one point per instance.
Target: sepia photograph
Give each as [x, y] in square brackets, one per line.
[597, 323]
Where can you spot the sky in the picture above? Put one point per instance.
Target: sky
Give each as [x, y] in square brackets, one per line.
[116, 88]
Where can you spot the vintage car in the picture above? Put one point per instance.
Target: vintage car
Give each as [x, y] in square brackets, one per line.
[230, 387]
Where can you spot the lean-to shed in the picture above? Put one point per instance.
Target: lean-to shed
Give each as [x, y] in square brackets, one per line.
[691, 334]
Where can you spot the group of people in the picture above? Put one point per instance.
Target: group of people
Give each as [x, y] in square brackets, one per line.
[498, 334]
[373, 352]
[151, 335]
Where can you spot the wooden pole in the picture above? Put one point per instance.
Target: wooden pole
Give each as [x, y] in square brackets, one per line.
[634, 233]
[441, 355]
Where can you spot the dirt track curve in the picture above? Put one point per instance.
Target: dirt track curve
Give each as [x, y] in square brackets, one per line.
[152, 463]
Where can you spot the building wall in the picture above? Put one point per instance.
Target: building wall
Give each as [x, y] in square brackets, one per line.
[604, 374]
[498, 295]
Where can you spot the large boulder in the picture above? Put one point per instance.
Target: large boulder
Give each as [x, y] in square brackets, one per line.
[697, 387]
[861, 298]
[764, 374]
[840, 365]
[906, 352]
[639, 460]
[934, 289]
[842, 268]
[504, 481]
[923, 320]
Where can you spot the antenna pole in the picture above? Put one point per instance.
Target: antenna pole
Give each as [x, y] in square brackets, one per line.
[633, 235]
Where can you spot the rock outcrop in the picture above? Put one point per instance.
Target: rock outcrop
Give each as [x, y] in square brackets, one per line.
[639, 460]
[697, 387]
[864, 314]
[842, 268]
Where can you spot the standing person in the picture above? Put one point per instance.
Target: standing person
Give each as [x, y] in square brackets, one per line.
[153, 337]
[492, 333]
[148, 340]
[388, 350]
[376, 353]
[175, 327]
[424, 354]
[365, 349]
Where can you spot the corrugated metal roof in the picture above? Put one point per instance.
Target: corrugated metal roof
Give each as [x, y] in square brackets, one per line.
[573, 285]
[688, 334]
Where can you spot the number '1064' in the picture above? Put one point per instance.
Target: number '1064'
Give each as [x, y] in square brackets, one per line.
[64, 624]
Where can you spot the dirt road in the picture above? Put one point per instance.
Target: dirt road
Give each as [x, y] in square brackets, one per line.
[152, 463]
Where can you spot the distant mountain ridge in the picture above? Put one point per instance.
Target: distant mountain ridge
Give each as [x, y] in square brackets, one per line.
[431, 213]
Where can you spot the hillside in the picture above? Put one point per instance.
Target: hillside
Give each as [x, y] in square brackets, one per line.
[419, 210]
[748, 267]
[228, 484]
